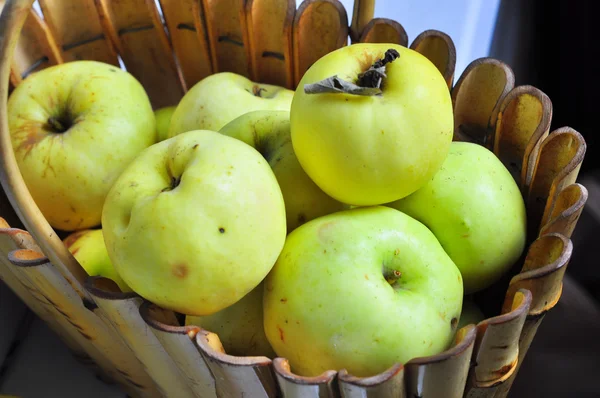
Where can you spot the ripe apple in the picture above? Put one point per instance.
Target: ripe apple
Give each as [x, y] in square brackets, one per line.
[195, 222]
[88, 248]
[239, 326]
[74, 127]
[163, 121]
[475, 209]
[219, 98]
[360, 290]
[372, 149]
[269, 133]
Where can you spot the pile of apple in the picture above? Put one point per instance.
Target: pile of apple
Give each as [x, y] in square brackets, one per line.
[337, 225]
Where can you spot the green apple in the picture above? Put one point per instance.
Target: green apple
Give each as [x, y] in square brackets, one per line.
[195, 222]
[219, 98]
[476, 210]
[163, 121]
[239, 326]
[470, 314]
[88, 248]
[269, 133]
[372, 149]
[361, 290]
[74, 127]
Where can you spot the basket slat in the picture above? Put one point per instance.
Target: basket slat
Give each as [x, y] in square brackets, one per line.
[523, 123]
[35, 48]
[236, 376]
[443, 375]
[76, 28]
[225, 23]
[178, 342]
[362, 14]
[558, 164]
[496, 350]
[294, 386]
[121, 312]
[269, 27]
[439, 48]
[566, 211]
[136, 30]
[320, 26]
[386, 384]
[185, 22]
[384, 30]
[65, 305]
[476, 99]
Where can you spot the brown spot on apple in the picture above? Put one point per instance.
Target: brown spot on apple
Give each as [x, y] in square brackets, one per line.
[195, 146]
[283, 300]
[180, 270]
[366, 277]
[27, 136]
[453, 323]
[281, 335]
[465, 235]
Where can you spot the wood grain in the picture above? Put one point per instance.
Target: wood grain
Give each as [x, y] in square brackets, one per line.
[76, 27]
[320, 26]
[185, 21]
[384, 30]
[295, 386]
[362, 14]
[522, 124]
[269, 27]
[136, 30]
[439, 48]
[476, 99]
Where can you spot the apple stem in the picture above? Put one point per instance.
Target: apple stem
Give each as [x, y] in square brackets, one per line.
[391, 275]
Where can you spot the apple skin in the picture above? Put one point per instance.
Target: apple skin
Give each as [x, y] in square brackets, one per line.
[69, 174]
[239, 326]
[329, 306]
[163, 121]
[269, 133]
[195, 222]
[470, 314]
[219, 98]
[88, 248]
[475, 209]
[369, 150]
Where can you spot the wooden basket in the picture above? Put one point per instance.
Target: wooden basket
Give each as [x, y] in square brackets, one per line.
[145, 348]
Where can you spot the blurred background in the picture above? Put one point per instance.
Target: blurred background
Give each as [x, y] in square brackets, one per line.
[549, 44]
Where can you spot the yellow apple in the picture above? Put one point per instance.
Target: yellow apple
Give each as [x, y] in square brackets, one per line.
[195, 222]
[269, 133]
[163, 121]
[219, 98]
[74, 127]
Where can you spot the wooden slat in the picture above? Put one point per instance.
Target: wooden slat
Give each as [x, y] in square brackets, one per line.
[76, 27]
[566, 211]
[225, 24]
[385, 384]
[187, 31]
[523, 123]
[178, 341]
[269, 28]
[443, 375]
[476, 99]
[121, 311]
[102, 344]
[138, 34]
[362, 13]
[236, 376]
[384, 30]
[557, 166]
[439, 48]
[294, 386]
[496, 350]
[320, 26]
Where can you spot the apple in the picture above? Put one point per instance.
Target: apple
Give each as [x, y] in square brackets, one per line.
[163, 121]
[88, 248]
[470, 314]
[239, 326]
[269, 133]
[378, 147]
[74, 127]
[361, 290]
[195, 222]
[219, 98]
[475, 209]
